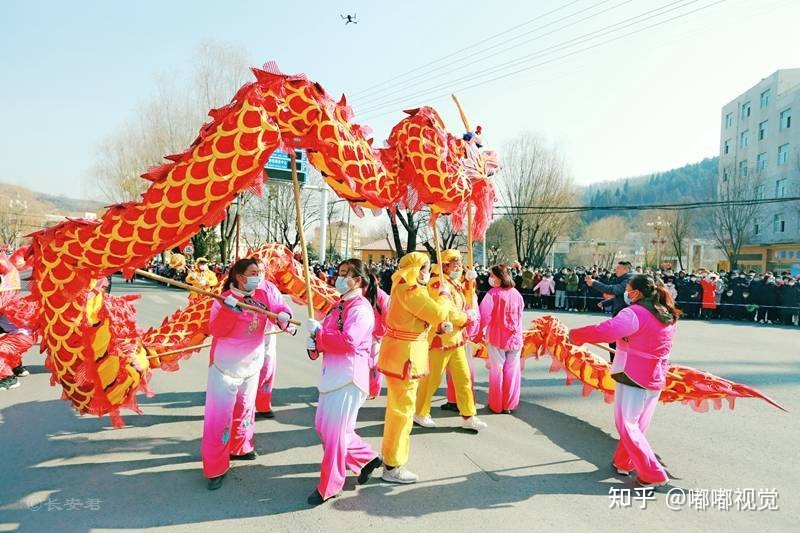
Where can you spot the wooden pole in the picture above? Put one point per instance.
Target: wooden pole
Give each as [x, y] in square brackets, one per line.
[471, 284]
[464, 118]
[470, 259]
[299, 212]
[168, 281]
[201, 346]
[438, 248]
[182, 350]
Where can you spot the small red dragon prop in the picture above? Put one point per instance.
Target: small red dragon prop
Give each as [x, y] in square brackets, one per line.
[684, 384]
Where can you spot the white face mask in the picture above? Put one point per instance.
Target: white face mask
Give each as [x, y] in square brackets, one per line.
[203, 267]
[426, 277]
[342, 286]
[252, 283]
[455, 274]
[494, 282]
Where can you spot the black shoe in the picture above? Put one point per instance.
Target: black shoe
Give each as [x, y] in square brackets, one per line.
[21, 371]
[11, 382]
[449, 407]
[370, 467]
[508, 412]
[251, 456]
[215, 482]
[267, 414]
[316, 498]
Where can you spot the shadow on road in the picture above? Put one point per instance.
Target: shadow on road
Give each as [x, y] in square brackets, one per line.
[81, 458]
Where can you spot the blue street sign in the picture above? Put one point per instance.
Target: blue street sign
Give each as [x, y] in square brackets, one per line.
[279, 166]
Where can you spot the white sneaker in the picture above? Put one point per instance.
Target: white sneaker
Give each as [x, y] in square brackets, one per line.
[424, 421]
[474, 424]
[399, 475]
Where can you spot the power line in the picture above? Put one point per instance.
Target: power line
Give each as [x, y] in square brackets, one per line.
[426, 73]
[592, 35]
[513, 73]
[542, 209]
[473, 45]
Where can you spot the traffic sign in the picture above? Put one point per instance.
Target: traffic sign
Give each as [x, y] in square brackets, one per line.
[279, 166]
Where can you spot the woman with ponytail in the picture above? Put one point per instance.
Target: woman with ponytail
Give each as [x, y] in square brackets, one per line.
[237, 356]
[345, 339]
[643, 332]
[501, 312]
[379, 301]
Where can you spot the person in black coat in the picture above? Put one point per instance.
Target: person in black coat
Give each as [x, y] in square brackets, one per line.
[790, 299]
[764, 295]
[616, 288]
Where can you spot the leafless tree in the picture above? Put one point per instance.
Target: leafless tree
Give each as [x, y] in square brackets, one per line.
[601, 241]
[681, 227]
[500, 241]
[533, 174]
[734, 223]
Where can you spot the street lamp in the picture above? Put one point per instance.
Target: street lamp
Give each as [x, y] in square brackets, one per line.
[658, 225]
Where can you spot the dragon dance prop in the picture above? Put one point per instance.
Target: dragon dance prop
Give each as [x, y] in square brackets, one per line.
[93, 347]
[684, 384]
[12, 345]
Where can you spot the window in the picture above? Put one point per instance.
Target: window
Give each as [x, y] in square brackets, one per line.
[786, 119]
[762, 130]
[726, 147]
[745, 109]
[743, 168]
[780, 188]
[778, 223]
[783, 154]
[744, 139]
[765, 98]
[755, 229]
[760, 191]
[729, 120]
[725, 174]
[761, 161]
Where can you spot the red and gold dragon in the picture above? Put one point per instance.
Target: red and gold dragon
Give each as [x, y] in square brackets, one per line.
[684, 384]
[93, 347]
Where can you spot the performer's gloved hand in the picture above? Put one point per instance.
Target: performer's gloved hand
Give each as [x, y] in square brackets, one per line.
[313, 326]
[470, 275]
[283, 318]
[446, 327]
[291, 329]
[231, 301]
[472, 315]
[311, 346]
[444, 291]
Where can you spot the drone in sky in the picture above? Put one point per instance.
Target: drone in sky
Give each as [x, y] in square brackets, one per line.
[349, 19]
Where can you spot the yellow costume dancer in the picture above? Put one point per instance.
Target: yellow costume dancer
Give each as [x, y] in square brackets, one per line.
[201, 277]
[447, 348]
[404, 357]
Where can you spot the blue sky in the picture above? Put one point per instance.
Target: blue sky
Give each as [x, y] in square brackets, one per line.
[75, 71]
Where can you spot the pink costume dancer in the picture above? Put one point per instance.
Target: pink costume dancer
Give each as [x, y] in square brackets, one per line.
[501, 311]
[345, 340]
[643, 333]
[237, 356]
[375, 376]
[266, 379]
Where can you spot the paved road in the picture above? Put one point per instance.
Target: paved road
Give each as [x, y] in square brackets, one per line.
[547, 466]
